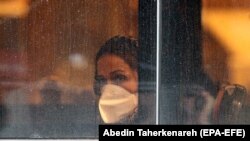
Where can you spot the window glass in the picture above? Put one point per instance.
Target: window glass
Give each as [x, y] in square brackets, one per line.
[204, 62]
[62, 61]
[67, 66]
[225, 33]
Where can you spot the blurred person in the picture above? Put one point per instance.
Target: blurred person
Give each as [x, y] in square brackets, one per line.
[116, 80]
[61, 87]
[198, 106]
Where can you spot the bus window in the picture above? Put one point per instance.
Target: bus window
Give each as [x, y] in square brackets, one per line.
[225, 56]
[55, 59]
[204, 62]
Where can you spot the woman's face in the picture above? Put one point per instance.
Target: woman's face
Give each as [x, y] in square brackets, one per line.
[112, 69]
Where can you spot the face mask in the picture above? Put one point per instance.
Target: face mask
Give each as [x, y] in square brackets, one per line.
[116, 103]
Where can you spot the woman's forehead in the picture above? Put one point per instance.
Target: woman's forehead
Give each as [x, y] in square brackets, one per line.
[111, 63]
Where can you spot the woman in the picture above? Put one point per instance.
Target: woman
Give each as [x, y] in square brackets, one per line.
[116, 80]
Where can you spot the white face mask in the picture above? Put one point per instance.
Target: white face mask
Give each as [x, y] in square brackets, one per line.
[116, 103]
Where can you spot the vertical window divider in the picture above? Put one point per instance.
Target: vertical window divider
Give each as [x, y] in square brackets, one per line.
[158, 48]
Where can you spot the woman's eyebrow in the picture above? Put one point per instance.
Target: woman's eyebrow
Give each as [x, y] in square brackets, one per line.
[117, 71]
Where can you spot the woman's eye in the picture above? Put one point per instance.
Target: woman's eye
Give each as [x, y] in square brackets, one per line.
[119, 78]
[100, 81]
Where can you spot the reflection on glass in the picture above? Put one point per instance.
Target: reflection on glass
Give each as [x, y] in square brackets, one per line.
[225, 45]
[204, 62]
[47, 55]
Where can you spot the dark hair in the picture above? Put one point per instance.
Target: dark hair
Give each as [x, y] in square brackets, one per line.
[124, 47]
